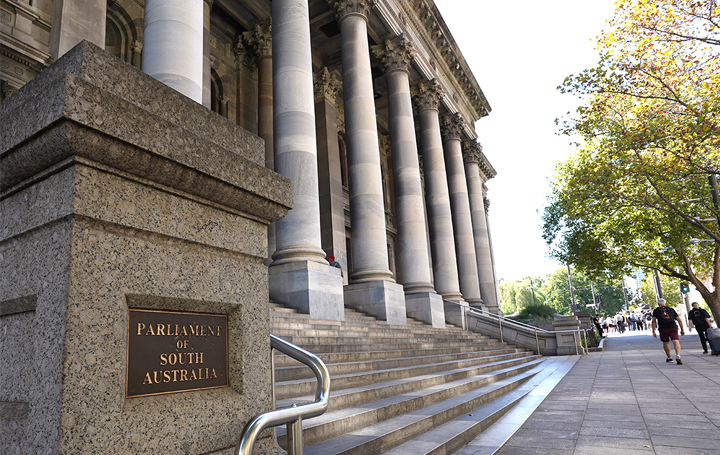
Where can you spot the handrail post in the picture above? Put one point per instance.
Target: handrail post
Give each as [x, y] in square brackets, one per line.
[576, 336]
[272, 383]
[537, 342]
[501, 333]
[293, 437]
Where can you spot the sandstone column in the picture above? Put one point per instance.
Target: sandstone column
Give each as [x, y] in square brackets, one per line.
[421, 300]
[207, 66]
[260, 40]
[472, 154]
[462, 222]
[374, 290]
[74, 21]
[437, 198]
[299, 274]
[173, 45]
[332, 213]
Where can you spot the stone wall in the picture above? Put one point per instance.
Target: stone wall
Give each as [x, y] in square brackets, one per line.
[117, 192]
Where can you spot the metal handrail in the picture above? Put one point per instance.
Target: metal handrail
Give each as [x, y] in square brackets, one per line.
[522, 324]
[292, 415]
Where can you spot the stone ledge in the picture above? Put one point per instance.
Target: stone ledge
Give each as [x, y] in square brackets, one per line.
[60, 115]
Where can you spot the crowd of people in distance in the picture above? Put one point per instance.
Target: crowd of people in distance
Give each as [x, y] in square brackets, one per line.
[622, 321]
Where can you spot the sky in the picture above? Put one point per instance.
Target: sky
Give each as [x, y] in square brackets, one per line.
[519, 53]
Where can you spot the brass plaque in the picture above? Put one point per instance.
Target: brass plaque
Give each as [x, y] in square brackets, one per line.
[171, 352]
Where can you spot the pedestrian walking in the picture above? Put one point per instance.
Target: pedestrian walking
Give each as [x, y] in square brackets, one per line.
[664, 319]
[620, 322]
[633, 322]
[701, 320]
[640, 321]
[596, 321]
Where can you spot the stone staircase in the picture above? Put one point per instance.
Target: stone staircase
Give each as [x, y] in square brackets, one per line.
[397, 389]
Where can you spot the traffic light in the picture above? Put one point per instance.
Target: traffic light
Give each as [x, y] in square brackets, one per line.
[684, 287]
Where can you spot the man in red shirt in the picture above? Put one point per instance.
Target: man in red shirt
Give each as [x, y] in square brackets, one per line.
[664, 318]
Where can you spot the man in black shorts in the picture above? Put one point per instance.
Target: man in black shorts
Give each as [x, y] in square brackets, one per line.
[701, 320]
[664, 318]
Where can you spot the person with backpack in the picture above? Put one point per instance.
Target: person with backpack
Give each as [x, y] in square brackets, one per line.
[701, 320]
[632, 322]
[664, 319]
[620, 322]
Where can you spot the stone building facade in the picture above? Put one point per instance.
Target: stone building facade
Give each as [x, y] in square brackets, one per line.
[368, 106]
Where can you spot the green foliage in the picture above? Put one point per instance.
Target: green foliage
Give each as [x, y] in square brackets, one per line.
[636, 191]
[670, 289]
[554, 292]
[515, 295]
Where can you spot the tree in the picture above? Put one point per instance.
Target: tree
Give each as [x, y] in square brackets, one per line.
[636, 191]
[516, 295]
[670, 290]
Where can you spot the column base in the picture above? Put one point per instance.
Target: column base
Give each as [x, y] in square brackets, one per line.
[426, 307]
[455, 314]
[309, 287]
[477, 304]
[383, 299]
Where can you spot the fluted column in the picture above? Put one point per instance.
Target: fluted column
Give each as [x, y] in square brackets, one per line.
[259, 40]
[437, 199]
[74, 21]
[421, 300]
[332, 212]
[379, 296]
[459, 203]
[472, 153]
[173, 44]
[207, 65]
[299, 274]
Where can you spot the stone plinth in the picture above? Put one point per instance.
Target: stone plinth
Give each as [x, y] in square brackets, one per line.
[427, 307]
[383, 299]
[568, 343]
[309, 287]
[117, 192]
[585, 319]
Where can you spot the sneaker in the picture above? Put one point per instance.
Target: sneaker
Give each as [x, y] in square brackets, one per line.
[705, 351]
[678, 361]
[668, 360]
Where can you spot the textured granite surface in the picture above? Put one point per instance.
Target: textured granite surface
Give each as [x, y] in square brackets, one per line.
[100, 223]
[108, 73]
[73, 116]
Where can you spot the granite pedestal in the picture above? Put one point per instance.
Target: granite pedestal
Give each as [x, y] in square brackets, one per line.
[118, 193]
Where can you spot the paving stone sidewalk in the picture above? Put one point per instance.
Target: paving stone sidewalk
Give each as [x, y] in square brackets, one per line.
[628, 400]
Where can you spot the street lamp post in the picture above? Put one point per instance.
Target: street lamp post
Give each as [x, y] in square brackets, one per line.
[658, 286]
[572, 294]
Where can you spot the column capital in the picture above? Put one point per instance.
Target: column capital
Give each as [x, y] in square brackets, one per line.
[395, 54]
[243, 55]
[346, 8]
[452, 127]
[210, 3]
[486, 202]
[259, 39]
[472, 151]
[136, 46]
[427, 95]
[326, 86]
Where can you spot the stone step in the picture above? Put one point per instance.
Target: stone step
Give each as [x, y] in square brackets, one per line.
[452, 370]
[454, 435]
[287, 373]
[457, 433]
[352, 332]
[280, 324]
[408, 344]
[282, 360]
[361, 395]
[377, 427]
[342, 340]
